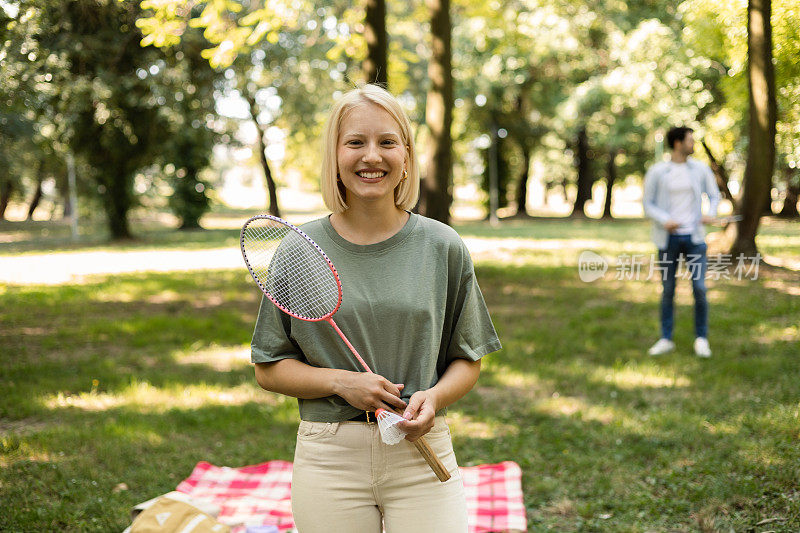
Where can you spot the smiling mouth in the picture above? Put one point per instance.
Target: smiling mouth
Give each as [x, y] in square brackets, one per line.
[371, 175]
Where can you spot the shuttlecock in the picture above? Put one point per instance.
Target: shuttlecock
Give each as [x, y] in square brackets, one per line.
[387, 424]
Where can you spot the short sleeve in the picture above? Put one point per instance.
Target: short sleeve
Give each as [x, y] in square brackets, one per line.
[473, 334]
[272, 336]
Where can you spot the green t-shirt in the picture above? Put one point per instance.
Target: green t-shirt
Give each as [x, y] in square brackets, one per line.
[410, 306]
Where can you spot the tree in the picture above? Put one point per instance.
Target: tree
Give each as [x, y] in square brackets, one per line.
[187, 85]
[437, 182]
[376, 64]
[791, 193]
[762, 125]
[717, 28]
[261, 135]
[585, 175]
[98, 96]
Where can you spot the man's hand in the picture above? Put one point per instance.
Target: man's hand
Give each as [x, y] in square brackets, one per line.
[671, 226]
[369, 392]
[419, 415]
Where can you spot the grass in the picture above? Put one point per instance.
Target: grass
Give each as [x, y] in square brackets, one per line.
[135, 378]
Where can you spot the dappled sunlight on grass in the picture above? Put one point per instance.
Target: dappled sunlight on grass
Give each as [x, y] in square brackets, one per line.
[624, 290]
[780, 241]
[220, 358]
[573, 406]
[643, 376]
[143, 396]
[478, 245]
[772, 335]
[467, 426]
[551, 253]
[506, 376]
[792, 288]
[16, 451]
[722, 427]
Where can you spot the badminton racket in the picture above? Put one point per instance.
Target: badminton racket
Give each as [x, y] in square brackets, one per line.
[296, 275]
[724, 221]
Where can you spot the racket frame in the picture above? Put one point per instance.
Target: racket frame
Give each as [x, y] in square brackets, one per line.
[311, 242]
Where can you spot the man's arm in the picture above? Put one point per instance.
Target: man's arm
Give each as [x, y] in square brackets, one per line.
[712, 191]
[651, 210]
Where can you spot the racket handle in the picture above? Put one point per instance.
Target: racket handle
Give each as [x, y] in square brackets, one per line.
[432, 459]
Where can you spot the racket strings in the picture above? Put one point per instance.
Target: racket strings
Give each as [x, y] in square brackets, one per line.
[291, 269]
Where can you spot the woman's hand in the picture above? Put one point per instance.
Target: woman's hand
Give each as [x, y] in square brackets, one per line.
[419, 415]
[369, 392]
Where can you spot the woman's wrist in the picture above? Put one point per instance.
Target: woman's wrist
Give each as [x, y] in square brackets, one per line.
[433, 398]
[337, 381]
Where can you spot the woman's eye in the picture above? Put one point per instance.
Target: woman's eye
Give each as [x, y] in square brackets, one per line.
[389, 142]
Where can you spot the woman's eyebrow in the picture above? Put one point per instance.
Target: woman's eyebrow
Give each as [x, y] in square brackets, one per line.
[358, 134]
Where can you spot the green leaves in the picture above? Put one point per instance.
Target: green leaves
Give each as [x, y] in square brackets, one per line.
[225, 23]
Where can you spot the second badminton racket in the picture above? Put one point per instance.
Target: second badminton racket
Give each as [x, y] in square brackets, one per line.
[296, 275]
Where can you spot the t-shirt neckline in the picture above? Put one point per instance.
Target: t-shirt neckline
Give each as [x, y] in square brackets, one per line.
[375, 247]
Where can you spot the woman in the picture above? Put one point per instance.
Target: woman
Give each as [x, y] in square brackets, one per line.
[413, 309]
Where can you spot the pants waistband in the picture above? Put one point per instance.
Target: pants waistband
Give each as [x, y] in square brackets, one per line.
[365, 416]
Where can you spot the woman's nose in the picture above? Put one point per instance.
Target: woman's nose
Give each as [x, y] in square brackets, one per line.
[372, 153]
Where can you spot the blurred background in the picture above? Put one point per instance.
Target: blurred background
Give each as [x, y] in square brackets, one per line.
[551, 108]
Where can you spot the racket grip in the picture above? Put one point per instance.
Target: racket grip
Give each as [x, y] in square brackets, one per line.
[432, 459]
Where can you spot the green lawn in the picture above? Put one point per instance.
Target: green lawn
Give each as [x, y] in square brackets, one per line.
[133, 379]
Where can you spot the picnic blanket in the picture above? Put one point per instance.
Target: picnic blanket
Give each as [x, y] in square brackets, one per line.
[261, 495]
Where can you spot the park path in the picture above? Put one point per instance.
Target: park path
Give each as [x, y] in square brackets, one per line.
[73, 267]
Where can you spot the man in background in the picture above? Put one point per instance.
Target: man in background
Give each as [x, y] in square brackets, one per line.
[673, 200]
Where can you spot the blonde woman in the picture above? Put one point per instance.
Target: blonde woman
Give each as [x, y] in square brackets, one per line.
[415, 312]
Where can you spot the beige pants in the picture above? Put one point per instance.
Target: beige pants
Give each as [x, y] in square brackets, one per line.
[347, 480]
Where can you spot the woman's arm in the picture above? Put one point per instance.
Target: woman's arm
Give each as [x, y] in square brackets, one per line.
[365, 391]
[459, 378]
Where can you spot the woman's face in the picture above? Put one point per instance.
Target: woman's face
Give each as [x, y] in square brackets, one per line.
[370, 154]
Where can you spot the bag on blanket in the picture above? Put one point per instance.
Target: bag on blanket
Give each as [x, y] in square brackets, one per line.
[174, 512]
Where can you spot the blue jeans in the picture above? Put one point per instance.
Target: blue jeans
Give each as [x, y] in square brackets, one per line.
[695, 263]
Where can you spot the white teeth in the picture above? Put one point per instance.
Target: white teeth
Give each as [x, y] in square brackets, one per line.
[371, 175]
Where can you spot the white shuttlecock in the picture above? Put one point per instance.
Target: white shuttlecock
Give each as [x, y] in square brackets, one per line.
[387, 424]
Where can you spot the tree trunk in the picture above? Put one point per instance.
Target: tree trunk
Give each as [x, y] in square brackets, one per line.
[37, 195]
[6, 188]
[64, 190]
[768, 201]
[439, 116]
[117, 203]
[763, 111]
[523, 141]
[611, 177]
[584, 174]
[789, 209]
[720, 173]
[273, 209]
[376, 64]
[522, 185]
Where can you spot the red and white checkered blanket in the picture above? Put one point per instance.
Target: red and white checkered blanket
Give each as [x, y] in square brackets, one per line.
[261, 495]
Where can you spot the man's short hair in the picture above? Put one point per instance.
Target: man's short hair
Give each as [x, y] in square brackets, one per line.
[678, 133]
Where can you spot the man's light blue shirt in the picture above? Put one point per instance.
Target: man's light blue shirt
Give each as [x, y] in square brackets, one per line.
[656, 198]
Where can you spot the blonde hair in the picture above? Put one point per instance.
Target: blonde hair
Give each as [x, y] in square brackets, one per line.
[407, 192]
